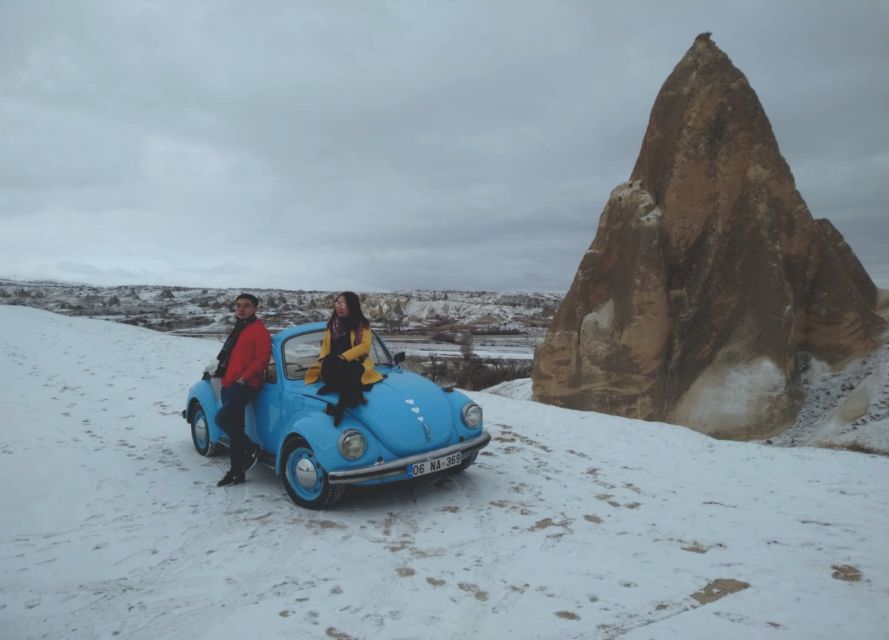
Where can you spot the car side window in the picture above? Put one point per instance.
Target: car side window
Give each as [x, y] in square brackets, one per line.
[301, 352]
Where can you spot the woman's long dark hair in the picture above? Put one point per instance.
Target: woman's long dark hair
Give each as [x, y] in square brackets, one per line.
[356, 317]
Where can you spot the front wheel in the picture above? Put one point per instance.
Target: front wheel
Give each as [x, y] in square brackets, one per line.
[200, 433]
[305, 479]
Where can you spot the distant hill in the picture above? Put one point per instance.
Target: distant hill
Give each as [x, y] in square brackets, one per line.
[206, 311]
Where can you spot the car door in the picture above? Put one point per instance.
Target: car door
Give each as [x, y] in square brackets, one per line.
[267, 408]
[298, 353]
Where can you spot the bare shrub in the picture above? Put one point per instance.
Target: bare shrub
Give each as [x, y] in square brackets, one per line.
[472, 374]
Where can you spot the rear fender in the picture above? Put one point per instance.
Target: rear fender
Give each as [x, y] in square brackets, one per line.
[203, 393]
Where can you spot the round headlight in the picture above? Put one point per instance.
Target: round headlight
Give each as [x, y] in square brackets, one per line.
[352, 444]
[472, 415]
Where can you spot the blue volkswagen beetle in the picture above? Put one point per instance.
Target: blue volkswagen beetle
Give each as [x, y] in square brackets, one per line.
[408, 428]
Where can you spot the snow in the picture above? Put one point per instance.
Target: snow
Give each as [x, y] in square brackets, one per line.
[652, 217]
[861, 416]
[873, 436]
[518, 389]
[849, 406]
[571, 524]
[598, 321]
[724, 393]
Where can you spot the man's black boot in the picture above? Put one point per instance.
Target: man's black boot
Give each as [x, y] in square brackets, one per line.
[231, 478]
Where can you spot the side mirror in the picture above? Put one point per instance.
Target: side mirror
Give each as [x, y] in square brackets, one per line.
[399, 357]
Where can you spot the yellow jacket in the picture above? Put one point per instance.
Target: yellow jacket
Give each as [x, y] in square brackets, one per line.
[362, 349]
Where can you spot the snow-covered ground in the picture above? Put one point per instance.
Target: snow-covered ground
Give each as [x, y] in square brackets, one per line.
[845, 407]
[518, 389]
[848, 408]
[571, 524]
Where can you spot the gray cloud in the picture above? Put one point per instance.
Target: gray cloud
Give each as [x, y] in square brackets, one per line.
[393, 145]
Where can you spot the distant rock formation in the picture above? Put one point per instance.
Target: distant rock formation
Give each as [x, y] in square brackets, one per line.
[707, 278]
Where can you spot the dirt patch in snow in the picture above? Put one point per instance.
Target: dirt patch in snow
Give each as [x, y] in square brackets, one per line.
[719, 589]
[567, 615]
[846, 572]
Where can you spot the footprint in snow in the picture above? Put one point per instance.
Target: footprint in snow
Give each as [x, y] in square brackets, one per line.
[473, 589]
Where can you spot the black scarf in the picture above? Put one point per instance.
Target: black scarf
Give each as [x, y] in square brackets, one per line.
[226, 352]
[340, 327]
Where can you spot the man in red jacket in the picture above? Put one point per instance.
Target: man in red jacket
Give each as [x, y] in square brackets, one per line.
[242, 365]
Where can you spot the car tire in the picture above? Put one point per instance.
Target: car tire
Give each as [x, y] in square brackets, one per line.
[305, 479]
[200, 433]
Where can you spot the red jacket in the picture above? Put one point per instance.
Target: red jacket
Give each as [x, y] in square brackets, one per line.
[250, 356]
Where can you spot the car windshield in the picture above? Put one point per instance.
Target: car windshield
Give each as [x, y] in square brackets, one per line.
[302, 351]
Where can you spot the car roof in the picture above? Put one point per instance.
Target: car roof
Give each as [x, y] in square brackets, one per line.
[296, 330]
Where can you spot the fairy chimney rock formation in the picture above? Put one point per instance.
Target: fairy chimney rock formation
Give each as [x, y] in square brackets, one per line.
[708, 281]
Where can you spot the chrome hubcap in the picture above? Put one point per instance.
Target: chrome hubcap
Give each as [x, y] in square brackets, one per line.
[200, 430]
[306, 474]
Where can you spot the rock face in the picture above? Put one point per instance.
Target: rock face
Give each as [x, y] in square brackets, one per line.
[708, 279]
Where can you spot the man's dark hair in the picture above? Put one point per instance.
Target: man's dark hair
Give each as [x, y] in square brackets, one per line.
[250, 297]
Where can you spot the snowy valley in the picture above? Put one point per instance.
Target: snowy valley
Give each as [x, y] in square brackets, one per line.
[571, 524]
[202, 311]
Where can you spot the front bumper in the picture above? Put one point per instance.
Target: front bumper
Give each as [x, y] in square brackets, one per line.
[399, 467]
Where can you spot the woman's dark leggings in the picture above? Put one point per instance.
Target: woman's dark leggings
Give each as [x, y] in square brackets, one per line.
[345, 377]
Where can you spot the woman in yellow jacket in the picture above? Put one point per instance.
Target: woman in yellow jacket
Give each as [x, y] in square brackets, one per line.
[345, 364]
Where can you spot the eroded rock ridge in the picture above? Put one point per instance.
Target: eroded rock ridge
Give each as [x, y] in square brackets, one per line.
[708, 280]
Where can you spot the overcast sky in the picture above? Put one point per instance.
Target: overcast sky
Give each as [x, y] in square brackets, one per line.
[390, 145]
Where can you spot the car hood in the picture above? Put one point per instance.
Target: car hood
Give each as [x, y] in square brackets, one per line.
[407, 413]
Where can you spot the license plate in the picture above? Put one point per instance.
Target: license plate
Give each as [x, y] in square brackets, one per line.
[431, 466]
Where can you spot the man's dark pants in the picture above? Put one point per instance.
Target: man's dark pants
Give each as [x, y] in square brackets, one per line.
[230, 419]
